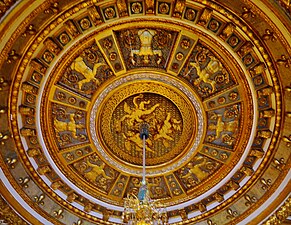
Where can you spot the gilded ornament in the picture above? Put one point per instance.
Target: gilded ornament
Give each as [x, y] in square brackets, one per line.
[266, 183]
[164, 8]
[72, 100]
[30, 30]
[269, 35]
[183, 214]
[205, 16]
[245, 48]
[28, 88]
[113, 56]
[72, 28]
[3, 110]
[95, 15]
[27, 132]
[12, 56]
[221, 126]
[202, 207]
[57, 184]
[107, 43]
[122, 7]
[210, 222]
[3, 137]
[106, 214]
[257, 153]
[232, 184]
[33, 140]
[163, 125]
[39, 199]
[179, 8]
[58, 213]
[79, 153]
[52, 46]
[36, 77]
[88, 206]
[96, 171]
[185, 43]
[136, 7]
[61, 96]
[281, 214]
[285, 61]
[287, 88]
[233, 96]
[72, 197]
[109, 13]
[150, 6]
[264, 134]
[190, 14]
[79, 222]
[146, 37]
[38, 65]
[221, 100]
[179, 56]
[247, 13]
[214, 25]
[248, 59]
[26, 111]
[81, 67]
[32, 152]
[231, 213]
[23, 181]
[279, 163]
[258, 69]
[85, 23]
[200, 168]
[233, 41]
[53, 8]
[48, 57]
[206, 72]
[258, 80]
[69, 156]
[43, 170]
[30, 99]
[11, 162]
[218, 197]
[250, 200]
[64, 38]
[247, 170]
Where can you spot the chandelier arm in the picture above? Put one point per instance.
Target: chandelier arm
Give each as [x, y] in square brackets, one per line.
[143, 160]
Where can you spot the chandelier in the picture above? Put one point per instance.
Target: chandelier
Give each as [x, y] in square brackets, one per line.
[141, 209]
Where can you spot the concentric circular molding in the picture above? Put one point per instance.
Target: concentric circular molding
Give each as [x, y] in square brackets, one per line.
[235, 163]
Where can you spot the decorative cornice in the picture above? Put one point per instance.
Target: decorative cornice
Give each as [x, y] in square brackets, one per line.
[281, 214]
[5, 6]
[7, 214]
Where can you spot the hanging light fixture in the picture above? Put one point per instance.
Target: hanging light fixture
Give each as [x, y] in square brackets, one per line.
[141, 209]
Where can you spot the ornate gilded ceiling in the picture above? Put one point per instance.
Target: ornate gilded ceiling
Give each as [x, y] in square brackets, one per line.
[210, 78]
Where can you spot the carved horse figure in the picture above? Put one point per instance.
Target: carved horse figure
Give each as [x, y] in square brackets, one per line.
[68, 126]
[196, 169]
[80, 66]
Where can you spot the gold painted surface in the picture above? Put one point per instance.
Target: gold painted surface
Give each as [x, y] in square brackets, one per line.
[230, 56]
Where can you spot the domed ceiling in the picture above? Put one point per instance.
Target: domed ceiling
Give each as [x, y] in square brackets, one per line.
[210, 78]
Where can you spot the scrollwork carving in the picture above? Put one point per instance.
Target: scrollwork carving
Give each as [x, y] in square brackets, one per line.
[281, 214]
[8, 215]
